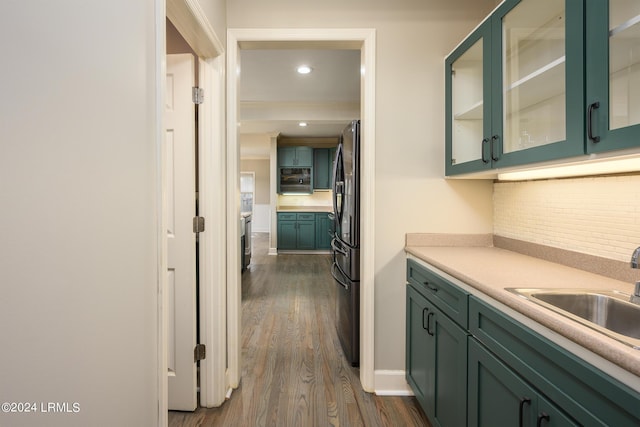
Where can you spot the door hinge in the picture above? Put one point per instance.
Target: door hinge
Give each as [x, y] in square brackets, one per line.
[198, 224]
[199, 352]
[197, 95]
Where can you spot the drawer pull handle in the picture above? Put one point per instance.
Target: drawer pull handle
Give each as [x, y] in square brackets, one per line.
[430, 286]
[429, 323]
[523, 401]
[542, 416]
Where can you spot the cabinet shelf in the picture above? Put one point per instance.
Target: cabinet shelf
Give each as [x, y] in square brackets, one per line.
[543, 84]
[623, 38]
[472, 113]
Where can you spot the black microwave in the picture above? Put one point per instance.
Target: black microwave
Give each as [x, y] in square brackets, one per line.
[295, 180]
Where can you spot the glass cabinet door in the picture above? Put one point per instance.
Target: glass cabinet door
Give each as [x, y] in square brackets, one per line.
[468, 104]
[534, 100]
[613, 75]
[541, 60]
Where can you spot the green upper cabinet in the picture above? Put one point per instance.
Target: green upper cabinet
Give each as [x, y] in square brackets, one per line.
[613, 75]
[295, 156]
[322, 168]
[515, 88]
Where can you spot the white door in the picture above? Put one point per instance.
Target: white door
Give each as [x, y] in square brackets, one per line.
[179, 170]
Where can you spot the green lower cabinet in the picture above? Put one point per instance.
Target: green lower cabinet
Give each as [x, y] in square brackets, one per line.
[493, 371]
[436, 361]
[306, 234]
[324, 231]
[499, 397]
[287, 234]
[296, 231]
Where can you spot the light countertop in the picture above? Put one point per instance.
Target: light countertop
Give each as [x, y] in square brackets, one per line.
[490, 270]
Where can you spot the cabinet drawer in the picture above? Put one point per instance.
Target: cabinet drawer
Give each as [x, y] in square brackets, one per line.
[580, 389]
[306, 216]
[449, 298]
[286, 216]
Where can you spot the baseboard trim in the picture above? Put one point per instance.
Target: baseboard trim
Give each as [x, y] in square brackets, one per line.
[391, 383]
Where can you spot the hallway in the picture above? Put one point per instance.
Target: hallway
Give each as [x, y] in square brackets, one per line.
[294, 372]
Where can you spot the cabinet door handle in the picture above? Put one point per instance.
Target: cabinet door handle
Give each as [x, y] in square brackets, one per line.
[429, 323]
[495, 158]
[542, 416]
[523, 401]
[590, 122]
[485, 141]
[424, 310]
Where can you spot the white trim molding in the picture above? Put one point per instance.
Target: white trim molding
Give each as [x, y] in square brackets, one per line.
[352, 38]
[392, 383]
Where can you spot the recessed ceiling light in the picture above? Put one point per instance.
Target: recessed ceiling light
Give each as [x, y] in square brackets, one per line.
[302, 124]
[304, 69]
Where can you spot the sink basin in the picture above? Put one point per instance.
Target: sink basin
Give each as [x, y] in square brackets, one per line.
[608, 312]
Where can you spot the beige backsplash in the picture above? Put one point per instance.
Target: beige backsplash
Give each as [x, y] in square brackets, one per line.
[598, 216]
[318, 198]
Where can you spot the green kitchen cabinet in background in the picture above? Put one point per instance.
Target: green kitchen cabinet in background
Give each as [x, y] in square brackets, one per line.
[515, 88]
[324, 231]
[306, 231]
[295, 156]
[296, 231]
[323, 168]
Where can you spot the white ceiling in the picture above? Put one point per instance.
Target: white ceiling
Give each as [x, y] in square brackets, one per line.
[274, 98]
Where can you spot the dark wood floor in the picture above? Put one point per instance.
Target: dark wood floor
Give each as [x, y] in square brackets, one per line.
[293, 370]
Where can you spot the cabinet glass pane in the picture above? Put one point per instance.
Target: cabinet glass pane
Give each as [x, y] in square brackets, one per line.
[624, 63]
[534, 84]
[467, 105]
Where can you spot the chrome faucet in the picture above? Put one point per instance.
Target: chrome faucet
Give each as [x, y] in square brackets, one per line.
[635, 256]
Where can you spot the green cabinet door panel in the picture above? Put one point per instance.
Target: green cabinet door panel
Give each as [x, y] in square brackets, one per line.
[450, 367]
[306, 238]
[436, 361]
[286, 156]
[287, 234]
[295, 156]
[321, 174]
[499, 397]
[419, 351]
[323, 231]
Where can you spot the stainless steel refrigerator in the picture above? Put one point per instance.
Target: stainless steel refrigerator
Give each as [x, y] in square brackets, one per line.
[345, 244]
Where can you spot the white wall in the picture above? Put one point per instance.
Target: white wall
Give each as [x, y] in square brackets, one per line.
[78, 224]
[413, 37]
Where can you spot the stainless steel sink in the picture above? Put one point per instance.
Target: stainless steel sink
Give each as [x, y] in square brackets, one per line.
[609, 312]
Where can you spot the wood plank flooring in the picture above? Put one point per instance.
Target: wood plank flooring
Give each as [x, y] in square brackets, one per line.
[293, 370]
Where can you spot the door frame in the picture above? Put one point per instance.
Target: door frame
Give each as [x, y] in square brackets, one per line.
[190, 20]
[365, 40]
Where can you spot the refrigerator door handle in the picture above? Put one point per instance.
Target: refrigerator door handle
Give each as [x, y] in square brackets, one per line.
[340, 282]
[334, 246]
[338, 186]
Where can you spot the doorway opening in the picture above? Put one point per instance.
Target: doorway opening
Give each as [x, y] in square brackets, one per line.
[363, 40]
